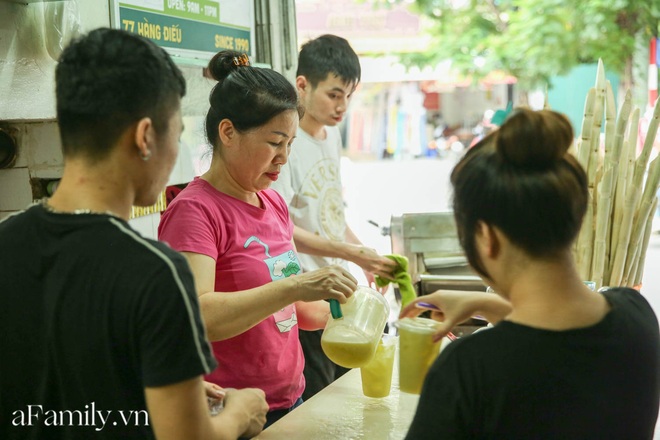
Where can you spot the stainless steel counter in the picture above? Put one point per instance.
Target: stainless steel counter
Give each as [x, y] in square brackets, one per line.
[341, 411]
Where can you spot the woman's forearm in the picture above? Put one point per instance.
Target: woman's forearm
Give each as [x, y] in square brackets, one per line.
[227, 314]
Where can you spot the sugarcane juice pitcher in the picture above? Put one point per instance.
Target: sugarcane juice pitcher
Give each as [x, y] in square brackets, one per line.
[351, 341]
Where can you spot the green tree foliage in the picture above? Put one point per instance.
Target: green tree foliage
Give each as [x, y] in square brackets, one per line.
[535, 39]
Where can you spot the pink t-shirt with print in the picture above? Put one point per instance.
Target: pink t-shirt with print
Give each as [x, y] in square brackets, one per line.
[251, 247]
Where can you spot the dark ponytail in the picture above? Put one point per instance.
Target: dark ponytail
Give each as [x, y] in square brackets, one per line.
[225, 62]
[534, 140]
[248, 96]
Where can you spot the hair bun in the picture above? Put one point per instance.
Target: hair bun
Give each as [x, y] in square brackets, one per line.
[534, 139]
[225, 62]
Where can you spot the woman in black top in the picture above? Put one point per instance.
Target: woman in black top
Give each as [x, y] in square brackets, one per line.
[561, 362]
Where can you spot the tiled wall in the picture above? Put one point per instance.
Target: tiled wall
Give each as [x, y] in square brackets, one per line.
[38, 155]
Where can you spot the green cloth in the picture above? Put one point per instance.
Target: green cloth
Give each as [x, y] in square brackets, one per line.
[401, 277]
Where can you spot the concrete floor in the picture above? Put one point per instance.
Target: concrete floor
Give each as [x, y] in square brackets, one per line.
[377, 190]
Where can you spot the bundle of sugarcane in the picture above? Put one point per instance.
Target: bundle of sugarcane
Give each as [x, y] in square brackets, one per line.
[612, 243]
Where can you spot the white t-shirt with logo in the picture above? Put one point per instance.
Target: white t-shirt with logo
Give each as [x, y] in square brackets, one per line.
[310, 183]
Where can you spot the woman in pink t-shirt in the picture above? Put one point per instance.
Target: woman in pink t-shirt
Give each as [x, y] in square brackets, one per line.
[238, 238]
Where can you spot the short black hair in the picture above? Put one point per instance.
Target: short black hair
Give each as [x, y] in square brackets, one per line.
[106, 81]
[325, 55]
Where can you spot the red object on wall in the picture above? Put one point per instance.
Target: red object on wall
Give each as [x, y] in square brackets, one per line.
[432, 101]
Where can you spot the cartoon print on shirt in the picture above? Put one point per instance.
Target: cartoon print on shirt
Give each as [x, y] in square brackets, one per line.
[332, 213]
[280, 267]
[323, 185]
[286, 319]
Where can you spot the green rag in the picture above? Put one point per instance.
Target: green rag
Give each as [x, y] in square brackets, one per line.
[401, 277]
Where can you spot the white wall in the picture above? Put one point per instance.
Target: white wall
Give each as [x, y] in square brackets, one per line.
[31, 38]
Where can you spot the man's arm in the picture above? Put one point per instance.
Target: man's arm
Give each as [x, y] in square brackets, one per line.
[368, 259]
[368, 272]
[180, 411]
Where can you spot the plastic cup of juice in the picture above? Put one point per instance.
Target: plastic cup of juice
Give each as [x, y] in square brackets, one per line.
[377, 374]
[417, 351]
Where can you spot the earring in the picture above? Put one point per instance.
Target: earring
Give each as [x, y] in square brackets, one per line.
[145, 157]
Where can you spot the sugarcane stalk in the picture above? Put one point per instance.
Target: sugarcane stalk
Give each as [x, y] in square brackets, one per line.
[583, 156]
[613, 238]
[621, 251]
[639, 273]
[652, 130]
[610, 122]
[635, 194]
[591, 126]
[634, 264]
[593, 177]
[624, 203]
[626, 162]
[613, 155]
[633, 132]
[602, 227]
[647, 200]
[587, 122]
[617, 211]
[594, 155]
[585, 243]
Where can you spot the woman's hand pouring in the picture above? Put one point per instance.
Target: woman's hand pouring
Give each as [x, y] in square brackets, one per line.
[330, 282]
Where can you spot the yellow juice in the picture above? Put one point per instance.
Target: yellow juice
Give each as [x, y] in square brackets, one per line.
[348, 354]
[350, 351]
[417, 351]
[377, 374]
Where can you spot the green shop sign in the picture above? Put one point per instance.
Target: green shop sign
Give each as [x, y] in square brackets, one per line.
[183, 25]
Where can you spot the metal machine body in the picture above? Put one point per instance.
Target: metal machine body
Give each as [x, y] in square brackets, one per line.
[435, 258]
